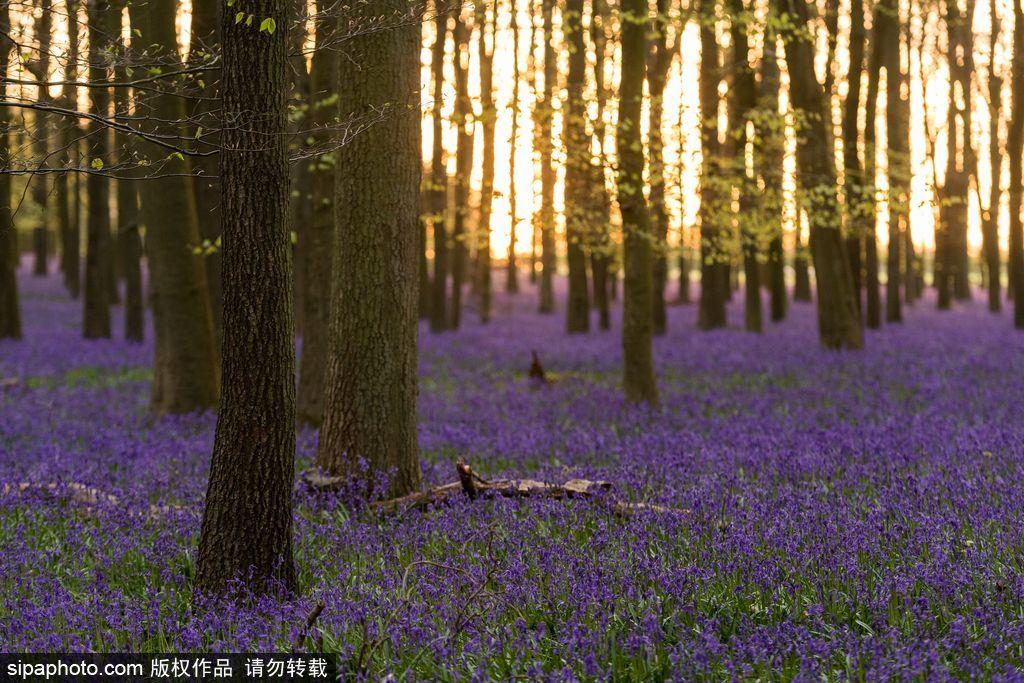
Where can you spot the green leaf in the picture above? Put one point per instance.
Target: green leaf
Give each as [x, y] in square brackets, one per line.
[239, 17]
[268, 25]
[97, 164]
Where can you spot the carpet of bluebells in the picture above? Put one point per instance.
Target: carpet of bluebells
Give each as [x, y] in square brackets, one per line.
[849, 515]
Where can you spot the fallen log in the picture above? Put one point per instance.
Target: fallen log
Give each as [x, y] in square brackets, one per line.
[86, 496]
[474, 486]
[9, 382]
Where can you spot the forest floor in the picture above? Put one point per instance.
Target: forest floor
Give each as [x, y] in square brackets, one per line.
[836, 514]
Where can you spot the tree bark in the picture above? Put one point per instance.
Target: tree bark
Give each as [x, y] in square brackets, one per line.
[857, 198]
[96, 317]
[438, 189]
[577, 171]
[186, 376]
[10, 311]
[638, 366]
[129, 241]
[462, 118]
[1015, 150]
[714, 283]
[67, 186]
[489, 114]
[838, 323]
[897, 87]
[769, 158]
[321, 232]
[511, 269]
[545, 114]
[40, 68]
[743, 100]
[602, 251]
[246, 532]
[370, 410]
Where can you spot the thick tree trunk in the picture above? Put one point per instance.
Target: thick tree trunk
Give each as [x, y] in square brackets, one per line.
[770, 154]
[545, 114]
[370, 409]
[488, 113]
[714, 284]
[439, 179]
[186, 373]
[577, 172]
[321, 232]
[96, 317]
[1015, 150]
[10, 311]
[638, 366]
[246, 531]
[462, 118]
[838, 322]
[742, 102]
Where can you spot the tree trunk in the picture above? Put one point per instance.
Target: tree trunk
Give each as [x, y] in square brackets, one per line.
[511, 269]
[67, 184]
[370, 411]
[990, 217]
[638, 366]
[299, 120]
[205, 44]
[489, 115]
[129, 240]
[462, 118]
[1015, 150]
[545, 114]
[40, 68]
[838, 323]
[743, 100]
[660, 56]
[96, 317]
[602, 251]
[246, 531]
[770, 154]
[10, 311]
[858, 200]
[186, 376]
[714, 285]
[439, 179]
[577, 171]
[321, 232]
[897, 88]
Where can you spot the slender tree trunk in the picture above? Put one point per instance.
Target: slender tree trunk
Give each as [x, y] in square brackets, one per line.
[743, 100]
[990, 217]
[638, 365]
[660, 56]
[439, 178]
[204, 46]
[300, 119]
[898, 158]
[321, 232]
[511, 269]
[489, 114]
[10, 311]
[67, 202]
[838, 323]
[770, 155]
[96, 318]
[186, 376]
[714, 283]
[246, 531]
[463, 115]
[372, 385]
[129, 240]
[1015, 151]
[601, 255]
[545, 114]
[858, 199]
[40, 185]
[577, 173]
